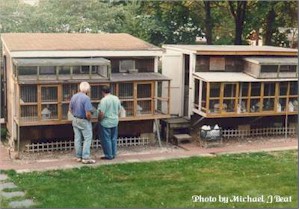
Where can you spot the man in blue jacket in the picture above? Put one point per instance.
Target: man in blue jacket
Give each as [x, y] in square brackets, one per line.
[81, 108]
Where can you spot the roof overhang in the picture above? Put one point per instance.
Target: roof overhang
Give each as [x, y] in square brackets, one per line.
[273, 60]
[126, 77]
[60, 61]
[86, 53]
[234, 77]
[220, 50]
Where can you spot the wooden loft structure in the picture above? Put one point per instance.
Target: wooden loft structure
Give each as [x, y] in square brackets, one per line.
[240, 95]
[43, 71]
[47, 85]
[232, 82]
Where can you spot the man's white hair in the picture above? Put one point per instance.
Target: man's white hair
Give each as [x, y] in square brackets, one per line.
[84, 87]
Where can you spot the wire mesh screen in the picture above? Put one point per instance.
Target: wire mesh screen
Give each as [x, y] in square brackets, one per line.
[126, 90]
[64, 70]
[49, 94]
[81, 72]
[47, 70]
[29, 113]
[49, 111]
[94, 111]
[68, 91]
[143, 107]
[96, 93]
[65, 109]
[161, 106]
[113, 89]
[144, 90]
[127, 107]
[162, 94]
[27, 70]
[28, 93]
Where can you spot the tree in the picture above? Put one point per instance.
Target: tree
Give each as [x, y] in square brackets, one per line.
[238, 11]
[269, 19]
[175, 20]
[208, 22]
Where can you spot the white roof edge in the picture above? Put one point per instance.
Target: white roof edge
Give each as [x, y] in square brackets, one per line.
[84, 53]
[173, 47]
[257, 61]
[234, 77]
[188, 48]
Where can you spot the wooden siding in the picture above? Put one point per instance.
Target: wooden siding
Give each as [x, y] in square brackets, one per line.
[252, 69]
[142, 64]
[43, 134]
[232, 63]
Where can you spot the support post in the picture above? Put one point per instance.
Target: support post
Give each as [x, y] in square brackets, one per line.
[157, 132]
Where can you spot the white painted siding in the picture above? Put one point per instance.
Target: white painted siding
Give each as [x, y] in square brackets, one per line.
[172, 68]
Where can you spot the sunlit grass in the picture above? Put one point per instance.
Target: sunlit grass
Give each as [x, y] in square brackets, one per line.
[168, 184]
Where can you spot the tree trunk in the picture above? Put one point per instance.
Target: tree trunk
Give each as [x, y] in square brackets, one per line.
[239, 14]
[208, 23]
[269, 26]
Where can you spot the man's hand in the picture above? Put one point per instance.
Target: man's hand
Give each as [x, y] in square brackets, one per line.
[88, 115]
[100, 116]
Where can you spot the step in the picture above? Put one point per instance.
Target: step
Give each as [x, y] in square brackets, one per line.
[179, 138]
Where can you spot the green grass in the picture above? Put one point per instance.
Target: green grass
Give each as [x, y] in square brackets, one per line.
[168, 184]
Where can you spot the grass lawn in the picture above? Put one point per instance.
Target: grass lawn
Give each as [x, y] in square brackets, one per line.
[170, 184]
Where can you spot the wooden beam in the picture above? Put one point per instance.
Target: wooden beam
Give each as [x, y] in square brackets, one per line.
[249, 96]
[39, 102]
[169, 97]
[261, 99]
[207, 96]
[237, 86]
[152, 97]
[221, 99]
[59, 101]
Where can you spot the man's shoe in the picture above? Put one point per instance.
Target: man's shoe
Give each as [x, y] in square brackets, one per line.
[88, 161]
[78, 159]
[106, 158]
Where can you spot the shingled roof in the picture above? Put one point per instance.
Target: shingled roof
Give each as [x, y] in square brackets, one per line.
[74, 41]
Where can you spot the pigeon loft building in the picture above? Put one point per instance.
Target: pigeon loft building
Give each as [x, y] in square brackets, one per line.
[233, 86]
[43, 71]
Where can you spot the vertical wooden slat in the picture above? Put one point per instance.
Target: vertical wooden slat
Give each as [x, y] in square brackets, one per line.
[59, 101]
[152, 97]
[39, 102]
[90, 72]
[249, 96]
[56, 71]
[207, 97]
[200, 95]
[38, 73]
[276, 100]
[169, 96]
[261, 100]
[71, 72]
[288, 97]
[221, 99]
[237, 86]
[135, 84]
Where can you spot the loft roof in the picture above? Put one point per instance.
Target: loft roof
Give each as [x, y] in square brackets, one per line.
[126, 77]
[232, 50]
[74, 42]
[60, 61]
[273, 60]
[234, 77]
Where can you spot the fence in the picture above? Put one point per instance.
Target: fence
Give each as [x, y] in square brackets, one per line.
[69, 145]
[258, 132]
